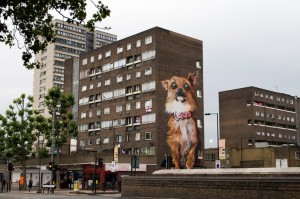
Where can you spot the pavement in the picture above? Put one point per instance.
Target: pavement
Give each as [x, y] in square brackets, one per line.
[69, 192]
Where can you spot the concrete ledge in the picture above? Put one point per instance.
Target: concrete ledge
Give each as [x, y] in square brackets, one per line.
[215, 184]
[235, 171]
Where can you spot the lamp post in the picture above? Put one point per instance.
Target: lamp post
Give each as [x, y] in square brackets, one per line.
[52, 144]
[218, 136]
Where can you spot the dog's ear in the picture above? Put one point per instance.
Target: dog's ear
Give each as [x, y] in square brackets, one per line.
[193, 78]
[165, 84]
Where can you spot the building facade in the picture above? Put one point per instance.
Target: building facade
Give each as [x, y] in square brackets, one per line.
[70, 41]
[121, 101]
[255, 117]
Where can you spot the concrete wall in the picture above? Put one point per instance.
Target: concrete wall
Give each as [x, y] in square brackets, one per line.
[215, 184]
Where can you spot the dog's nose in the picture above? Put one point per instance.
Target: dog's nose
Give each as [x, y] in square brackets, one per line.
[179, 89]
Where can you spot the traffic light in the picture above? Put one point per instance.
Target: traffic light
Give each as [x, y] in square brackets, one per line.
[100, 162]
[50, 166]
[10, 166]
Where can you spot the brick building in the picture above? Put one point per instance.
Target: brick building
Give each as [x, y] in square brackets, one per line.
[255, 117]
[121, 102]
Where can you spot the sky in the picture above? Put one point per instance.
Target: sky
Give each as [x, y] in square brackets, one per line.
[245, 43]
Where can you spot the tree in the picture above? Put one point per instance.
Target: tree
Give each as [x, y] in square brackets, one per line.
[59, 104]
[18, 130]
[64, 126]
[32, 20]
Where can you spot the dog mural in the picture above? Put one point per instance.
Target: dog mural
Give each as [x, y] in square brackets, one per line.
[183, 132]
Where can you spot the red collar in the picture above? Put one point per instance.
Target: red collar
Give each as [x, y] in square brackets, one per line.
[182, 115]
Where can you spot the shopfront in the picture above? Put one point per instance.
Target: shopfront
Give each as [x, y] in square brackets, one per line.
[89, 172]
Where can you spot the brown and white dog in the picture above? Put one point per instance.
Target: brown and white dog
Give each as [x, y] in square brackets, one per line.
[183, 133]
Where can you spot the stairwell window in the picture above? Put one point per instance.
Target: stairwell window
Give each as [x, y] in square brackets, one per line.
[148, 40]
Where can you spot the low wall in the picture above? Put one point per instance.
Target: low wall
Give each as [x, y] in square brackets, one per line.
[260, 183]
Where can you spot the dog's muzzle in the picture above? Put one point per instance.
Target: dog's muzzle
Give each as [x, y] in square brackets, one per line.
[180, 95]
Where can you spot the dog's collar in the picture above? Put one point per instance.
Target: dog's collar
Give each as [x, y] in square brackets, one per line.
[182, 115]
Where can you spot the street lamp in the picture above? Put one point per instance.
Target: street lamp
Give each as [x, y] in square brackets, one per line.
[52, 144]
[218, 136]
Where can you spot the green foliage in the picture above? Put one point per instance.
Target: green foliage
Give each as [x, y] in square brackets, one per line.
[59, 105]
[16, 129]
[32, 20]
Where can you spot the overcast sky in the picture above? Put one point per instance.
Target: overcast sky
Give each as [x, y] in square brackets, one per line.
[245, 43]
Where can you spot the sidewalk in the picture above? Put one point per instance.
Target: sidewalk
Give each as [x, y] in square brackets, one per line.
[15, 189]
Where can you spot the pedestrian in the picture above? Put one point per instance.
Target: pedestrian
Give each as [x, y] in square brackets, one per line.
[30, 184]
[90, 181]
[3, 184]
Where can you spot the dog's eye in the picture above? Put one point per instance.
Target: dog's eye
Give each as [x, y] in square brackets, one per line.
[186, 86]
[173, 85]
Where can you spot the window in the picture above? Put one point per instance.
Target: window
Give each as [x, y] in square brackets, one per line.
[83, 88]
[118, 108]
[119, 63]
[92, 59]
[137, 119]
[107, 95]
[99, 84]
[106, 124]
[128, 76]
[138, 43]
[119, 93]
[128, 107]
[127, 138]
[106, 140]
[90, 113]
[206, 157]
[107, 67]
[148, 136]
[199, 123]
[213, 157]
[89, 141]
[198, 64]
[98, 97]
[119, 49]
[148, 105]
[119, 138]
[106, 110]
[149, 118]
[119, 78]
[82, 142]
[138, 74]
[129, 90]
[83, 115]
[98, 141]
[137, 136]
[148, 55]
[99, 56]
[148, 40]
[128, 120]
[98, 113]
[148, 71]
[108, 53]
[199, 94]
[138, 105]
[107, 82]
[129, 46]
[84, 61]
[149, 86]
[91, 86]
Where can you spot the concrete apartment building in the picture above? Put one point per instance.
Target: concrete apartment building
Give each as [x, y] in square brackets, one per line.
[255, 117]
[71, 41]
[121, 101]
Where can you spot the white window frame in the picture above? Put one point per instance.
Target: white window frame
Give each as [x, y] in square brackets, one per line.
[119, 49]
[92, 59]
[148, 40]
[138, 43]
[84, 61]
[99, 56]
[108, 53]
[129, 46]
[148, 133]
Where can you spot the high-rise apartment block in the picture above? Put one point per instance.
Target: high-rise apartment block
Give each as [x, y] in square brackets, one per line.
[71, 40]
[257, 117]
[121, 101]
